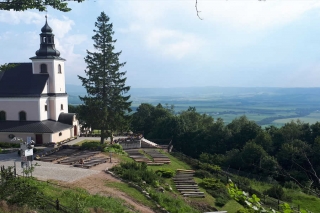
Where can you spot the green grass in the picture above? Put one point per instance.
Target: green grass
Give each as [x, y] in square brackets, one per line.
[305, 201]
[132, 192]
[75, 200]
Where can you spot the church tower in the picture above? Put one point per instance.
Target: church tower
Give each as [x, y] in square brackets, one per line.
[48, 62]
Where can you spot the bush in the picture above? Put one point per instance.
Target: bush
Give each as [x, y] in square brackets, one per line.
[202, 174]
[166, 173]
[9, 145]
[116, 148]
[92, 145]
[136, 172]
[291, 185]
[221, 201]
[275, 191]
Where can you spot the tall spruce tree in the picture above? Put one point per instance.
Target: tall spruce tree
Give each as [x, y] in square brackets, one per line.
[105, 83]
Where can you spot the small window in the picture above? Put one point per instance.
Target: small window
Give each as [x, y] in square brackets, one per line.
[2, 115]
[61, 106]
[45, 107]
[60, 133]
[59, 69]
[43, 68]
[22, 116]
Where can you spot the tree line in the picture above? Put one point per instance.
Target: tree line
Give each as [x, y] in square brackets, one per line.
[288, 154]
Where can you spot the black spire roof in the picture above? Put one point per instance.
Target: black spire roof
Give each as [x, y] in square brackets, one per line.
[47, 47]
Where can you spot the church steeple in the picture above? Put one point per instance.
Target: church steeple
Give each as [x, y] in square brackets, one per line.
[47, 47]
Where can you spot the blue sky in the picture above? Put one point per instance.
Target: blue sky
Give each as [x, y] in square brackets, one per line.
[246, 43]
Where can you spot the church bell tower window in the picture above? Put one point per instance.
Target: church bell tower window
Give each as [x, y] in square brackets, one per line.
[43, 68]
[59, 69]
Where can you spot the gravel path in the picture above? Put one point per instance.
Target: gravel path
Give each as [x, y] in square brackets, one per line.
[48, 171]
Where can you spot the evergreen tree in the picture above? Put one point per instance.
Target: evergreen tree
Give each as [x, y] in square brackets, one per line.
[105, 83]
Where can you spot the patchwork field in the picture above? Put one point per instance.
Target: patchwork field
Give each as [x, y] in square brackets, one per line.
[266, 106]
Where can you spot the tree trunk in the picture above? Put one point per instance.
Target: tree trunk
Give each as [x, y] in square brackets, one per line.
[102, 136]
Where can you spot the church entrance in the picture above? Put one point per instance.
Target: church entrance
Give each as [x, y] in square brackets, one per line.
[75, 130]
[39, 139]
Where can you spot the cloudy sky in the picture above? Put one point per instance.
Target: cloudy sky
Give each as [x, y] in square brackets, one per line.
[273, 43]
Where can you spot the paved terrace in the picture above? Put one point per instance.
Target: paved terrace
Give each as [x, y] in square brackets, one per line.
[52, 171]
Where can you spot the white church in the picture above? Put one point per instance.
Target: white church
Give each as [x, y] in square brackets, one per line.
[33, 98]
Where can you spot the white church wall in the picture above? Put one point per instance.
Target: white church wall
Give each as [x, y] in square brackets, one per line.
[44, 112]
[65, 134]
[12, 107]
[59, 77]
[4, 136]
[61, 105]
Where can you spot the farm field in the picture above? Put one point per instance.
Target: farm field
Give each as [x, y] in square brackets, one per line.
[266, 106]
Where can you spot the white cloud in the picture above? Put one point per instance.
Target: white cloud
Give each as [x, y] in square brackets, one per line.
[14, 17]
[60, 26]
[173, 43]
[255, 15]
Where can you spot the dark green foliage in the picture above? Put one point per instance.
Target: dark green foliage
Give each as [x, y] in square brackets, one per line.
[105, 104]
[291, 185]
[276, 191]
[9, 145]
[22, 5]
[115, 148]
[165, 173]
[216, 189]
[92, 145]
[202, 174]
[288, 153]
[136, 172]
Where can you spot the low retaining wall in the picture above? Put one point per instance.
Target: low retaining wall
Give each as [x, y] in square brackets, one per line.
[136, 144]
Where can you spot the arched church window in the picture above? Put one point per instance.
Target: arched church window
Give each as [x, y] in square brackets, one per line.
[43, 68]
[22, 116]
[59, 69]
[61, 106]
[2, 115]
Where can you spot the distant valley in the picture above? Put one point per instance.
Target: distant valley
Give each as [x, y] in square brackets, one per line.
[264, 105]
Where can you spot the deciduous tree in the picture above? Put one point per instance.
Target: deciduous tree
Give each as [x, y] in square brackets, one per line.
[21, 5]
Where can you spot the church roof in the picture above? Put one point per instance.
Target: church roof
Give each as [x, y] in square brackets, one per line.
[19, 81]
[47, 126]
[66, 118]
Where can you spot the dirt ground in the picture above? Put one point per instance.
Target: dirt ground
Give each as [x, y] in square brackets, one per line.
[95, 184]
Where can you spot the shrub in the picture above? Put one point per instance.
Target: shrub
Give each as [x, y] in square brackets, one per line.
[203, 174]
[116, 148]
[291, 185]
[211, 183]
[92, 145]
[9, 145]
[166, 173]
[221, 201]
[136, 172]
[275, 191]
